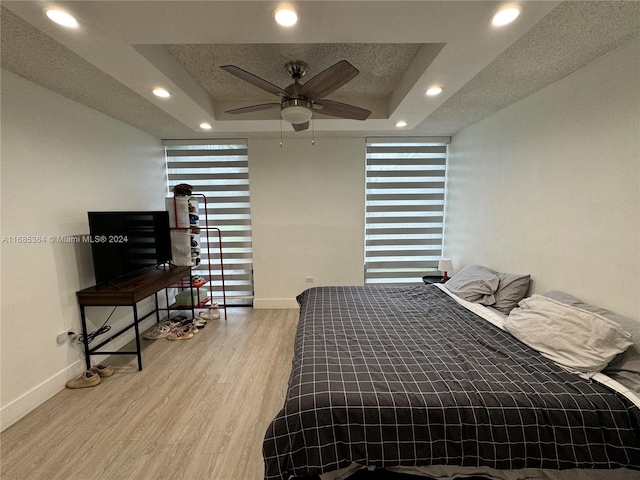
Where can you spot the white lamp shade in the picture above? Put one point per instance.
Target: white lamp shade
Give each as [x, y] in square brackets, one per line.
[444, 265]
[296, 114]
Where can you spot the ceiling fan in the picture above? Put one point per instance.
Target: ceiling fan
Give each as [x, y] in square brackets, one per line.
[299, 101]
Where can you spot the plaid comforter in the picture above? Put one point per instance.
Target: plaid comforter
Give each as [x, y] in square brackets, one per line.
[388, 376]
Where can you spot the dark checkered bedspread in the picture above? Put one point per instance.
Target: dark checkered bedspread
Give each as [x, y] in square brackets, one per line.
[387, 376]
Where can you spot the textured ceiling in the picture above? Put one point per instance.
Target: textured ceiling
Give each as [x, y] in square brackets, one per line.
[574, 34]
[31, 54]
[381, 66]
[121, 53]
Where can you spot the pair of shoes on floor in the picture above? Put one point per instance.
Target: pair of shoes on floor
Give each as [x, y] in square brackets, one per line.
[91, 378]
[211, 314]
[184, 331]
[161, 330]
[176, 328]
[164, 329]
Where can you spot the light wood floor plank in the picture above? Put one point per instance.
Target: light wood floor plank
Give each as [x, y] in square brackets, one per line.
[197, 411]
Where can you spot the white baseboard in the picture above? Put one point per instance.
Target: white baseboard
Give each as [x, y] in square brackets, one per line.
[35, 397]
[15, 410]
[274, 303]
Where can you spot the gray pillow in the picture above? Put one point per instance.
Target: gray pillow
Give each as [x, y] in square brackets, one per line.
[474, 284]
[511, 290]
[580, 340]
[625, 367]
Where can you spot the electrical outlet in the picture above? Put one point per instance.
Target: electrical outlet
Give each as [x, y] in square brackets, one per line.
[308, 279]
[62, 337]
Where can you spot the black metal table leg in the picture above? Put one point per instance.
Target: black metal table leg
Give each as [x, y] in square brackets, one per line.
[85, 339]
[137, 329]
[157, 308]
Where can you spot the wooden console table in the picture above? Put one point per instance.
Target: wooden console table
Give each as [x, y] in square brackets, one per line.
[128, 292]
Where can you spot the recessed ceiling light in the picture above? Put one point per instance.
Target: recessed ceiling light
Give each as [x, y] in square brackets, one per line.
[62, 18]
[435, 90]
[401, 124]
[286, 16]
[205, 126]
[505, 16]
[160, 92]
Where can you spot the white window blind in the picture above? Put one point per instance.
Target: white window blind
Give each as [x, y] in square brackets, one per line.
[219, 170]
[405, 180]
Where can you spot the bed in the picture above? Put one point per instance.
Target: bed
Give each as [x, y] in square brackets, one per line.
[420, 380]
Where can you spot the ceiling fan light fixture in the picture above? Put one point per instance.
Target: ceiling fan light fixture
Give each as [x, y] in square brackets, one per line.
[296, 110]
[286, 16]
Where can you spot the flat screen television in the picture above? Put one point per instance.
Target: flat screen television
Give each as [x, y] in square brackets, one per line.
[125, 243]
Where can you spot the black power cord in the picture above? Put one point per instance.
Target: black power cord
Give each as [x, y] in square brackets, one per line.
[103, 329]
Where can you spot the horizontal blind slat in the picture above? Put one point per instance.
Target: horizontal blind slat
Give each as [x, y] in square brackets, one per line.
[381, 197]
[413, 221]
[208, 164]
[403, 185]
[418, 149]
[404, 242]
[404, 208]
[424, 162]
[214, 152]
[372, 174]
[208, 176]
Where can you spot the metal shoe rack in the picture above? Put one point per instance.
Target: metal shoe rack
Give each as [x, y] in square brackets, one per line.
[184, 284]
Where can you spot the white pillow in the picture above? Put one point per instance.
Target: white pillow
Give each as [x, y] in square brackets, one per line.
[579, 340]
[625, 367]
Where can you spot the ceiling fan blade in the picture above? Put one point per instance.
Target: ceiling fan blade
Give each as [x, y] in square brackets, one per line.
[254, 80]
[298, 127]
[329, 80]
[342, 110]
[254, 108]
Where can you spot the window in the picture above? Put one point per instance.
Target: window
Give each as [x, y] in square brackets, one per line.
[219, 170]
[404, 208]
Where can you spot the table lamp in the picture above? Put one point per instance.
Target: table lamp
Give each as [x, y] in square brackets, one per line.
[445, 266]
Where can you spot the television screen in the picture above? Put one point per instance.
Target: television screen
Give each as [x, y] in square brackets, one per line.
[123, 243]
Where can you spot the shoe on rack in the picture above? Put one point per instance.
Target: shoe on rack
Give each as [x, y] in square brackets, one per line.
[161, 330]
[102, 370]
[86, 379]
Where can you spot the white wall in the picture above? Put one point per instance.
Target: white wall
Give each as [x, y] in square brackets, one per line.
[59, 160]
[307, 210]
[550, 186]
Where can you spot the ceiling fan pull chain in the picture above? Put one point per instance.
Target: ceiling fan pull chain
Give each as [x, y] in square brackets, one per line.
[280, 132]
[313, 131]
